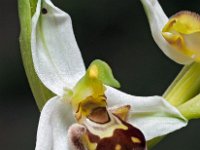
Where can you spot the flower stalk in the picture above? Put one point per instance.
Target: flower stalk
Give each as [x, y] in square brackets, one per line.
[26, 11]
[184, 92]
[185, 86]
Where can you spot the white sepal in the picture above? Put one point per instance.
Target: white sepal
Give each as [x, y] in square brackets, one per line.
[56, 56]
[157, 20]
[153, 115]
[55, 119]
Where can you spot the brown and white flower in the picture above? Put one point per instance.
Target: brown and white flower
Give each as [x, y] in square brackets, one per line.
[87, 113]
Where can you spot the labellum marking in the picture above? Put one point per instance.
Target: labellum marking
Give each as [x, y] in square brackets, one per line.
[99, 115]
[89, 108]
[106, 129]
[123, 136]
[135, 140]
[118, 147]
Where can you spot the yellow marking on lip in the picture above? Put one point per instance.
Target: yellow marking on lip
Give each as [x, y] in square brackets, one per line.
[87, 142]
[118, 147]
[135, 140]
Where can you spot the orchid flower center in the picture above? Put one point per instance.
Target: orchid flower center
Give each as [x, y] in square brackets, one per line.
[183, 32]
[105, 128]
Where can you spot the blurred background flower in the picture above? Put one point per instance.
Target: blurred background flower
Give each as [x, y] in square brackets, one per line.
[114, 31]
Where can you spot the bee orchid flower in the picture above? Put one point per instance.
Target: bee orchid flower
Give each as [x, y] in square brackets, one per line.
[87, 113]
[179, 36]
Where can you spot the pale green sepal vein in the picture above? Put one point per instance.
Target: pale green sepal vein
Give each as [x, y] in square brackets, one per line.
[26, 11]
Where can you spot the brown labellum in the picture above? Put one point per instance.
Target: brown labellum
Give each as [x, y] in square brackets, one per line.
[114, 134]
[130, 139]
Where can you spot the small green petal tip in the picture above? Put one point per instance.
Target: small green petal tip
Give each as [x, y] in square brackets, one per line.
[102, 71]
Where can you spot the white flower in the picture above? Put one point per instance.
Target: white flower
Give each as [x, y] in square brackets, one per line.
[179, 36]
[59, 65]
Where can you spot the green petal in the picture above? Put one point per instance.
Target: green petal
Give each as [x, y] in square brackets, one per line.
[104, 73]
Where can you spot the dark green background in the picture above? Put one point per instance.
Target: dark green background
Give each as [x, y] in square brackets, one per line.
[113, 30]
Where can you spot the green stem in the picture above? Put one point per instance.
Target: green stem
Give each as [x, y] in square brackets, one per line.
[185, 86]
[26, 11]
